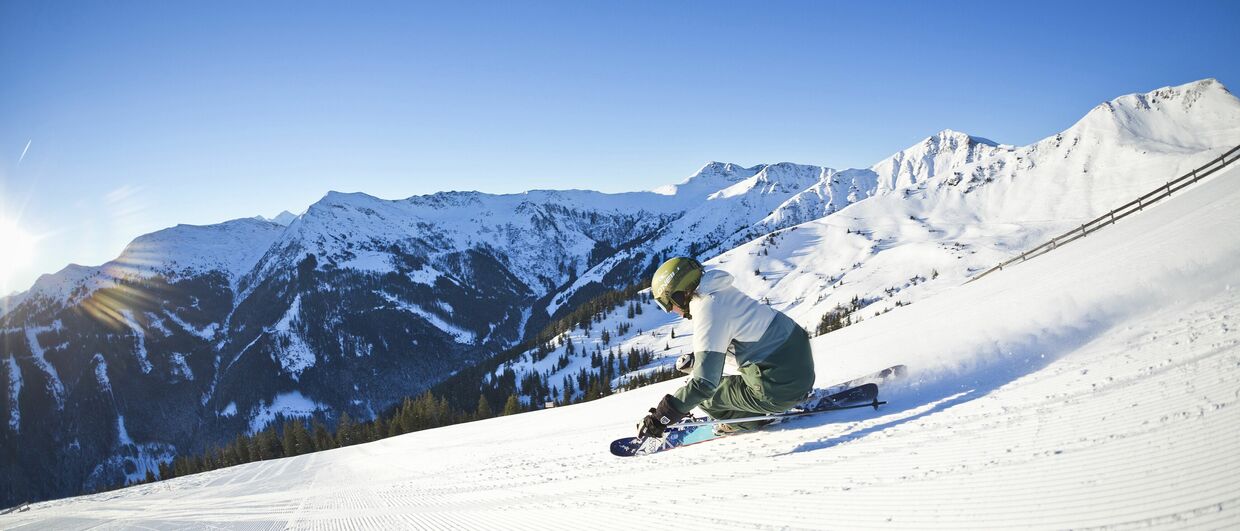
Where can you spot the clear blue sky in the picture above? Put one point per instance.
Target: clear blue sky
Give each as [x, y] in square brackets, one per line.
[134, 116]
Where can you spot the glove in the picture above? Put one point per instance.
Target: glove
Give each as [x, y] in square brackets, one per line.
[659, 419]
[685, 363]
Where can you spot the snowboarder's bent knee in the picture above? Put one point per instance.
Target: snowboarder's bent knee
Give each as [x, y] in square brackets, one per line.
[771, 351]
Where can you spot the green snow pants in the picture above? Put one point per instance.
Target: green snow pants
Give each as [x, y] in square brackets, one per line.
[772, 385]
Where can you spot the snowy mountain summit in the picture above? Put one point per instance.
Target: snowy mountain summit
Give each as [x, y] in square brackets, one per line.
[284, 218]
[197, 334]
[943, 152]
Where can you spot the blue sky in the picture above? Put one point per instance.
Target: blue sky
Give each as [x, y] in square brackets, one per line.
[120, 118]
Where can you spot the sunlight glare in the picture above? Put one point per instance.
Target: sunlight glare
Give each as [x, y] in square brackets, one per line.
[16, 251]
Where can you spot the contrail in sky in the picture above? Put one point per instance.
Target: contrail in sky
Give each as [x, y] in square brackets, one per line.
[19, 159]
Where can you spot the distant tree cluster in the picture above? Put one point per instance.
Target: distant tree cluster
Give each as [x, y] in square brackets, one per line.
[463, 388]
[838, 317]
[642, 379]
[466, 396]
[287, 437]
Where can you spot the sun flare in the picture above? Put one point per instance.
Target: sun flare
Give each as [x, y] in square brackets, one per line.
[16, 250]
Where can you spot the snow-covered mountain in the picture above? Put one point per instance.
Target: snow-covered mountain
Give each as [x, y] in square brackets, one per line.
[284, 218]
[179, 253]
[195, 334]
[1094, 386]
[955, 215]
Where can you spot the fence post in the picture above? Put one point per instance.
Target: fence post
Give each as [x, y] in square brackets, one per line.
[1195, 176]
[1112, 217]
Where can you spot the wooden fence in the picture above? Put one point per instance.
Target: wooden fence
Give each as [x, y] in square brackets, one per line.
[1136, 205]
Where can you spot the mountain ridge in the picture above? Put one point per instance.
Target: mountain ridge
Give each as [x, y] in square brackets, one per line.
[393, 295]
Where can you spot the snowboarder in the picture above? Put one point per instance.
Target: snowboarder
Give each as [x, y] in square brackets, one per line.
[771, 351]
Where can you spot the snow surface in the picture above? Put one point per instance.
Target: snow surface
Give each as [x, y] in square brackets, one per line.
[460, 335]
[139, 335]
[291, 405]
[101, 373]
[207, 333]
[296, 356]
[1092, 386]
[158, 324]
[15, 390]
[180, 367]
[54, 386]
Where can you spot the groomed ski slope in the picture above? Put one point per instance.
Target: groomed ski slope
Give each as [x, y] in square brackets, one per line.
[1098, 385]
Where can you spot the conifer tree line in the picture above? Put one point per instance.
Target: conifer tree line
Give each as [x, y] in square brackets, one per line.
[466, 396]
[471, 393]
[287, 437]
[462, 390]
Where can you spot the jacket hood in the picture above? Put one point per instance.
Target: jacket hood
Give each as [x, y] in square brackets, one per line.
[714, 280]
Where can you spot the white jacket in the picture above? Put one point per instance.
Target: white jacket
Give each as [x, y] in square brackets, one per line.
[728, 321]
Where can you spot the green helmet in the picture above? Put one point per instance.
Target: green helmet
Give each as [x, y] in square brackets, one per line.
[674, 281]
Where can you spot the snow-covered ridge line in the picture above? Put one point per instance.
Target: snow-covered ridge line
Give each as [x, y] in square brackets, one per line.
[894, 249]
[184, 251]
[1066, 394]
[807, 239]
[945, 151]
[1120, 212]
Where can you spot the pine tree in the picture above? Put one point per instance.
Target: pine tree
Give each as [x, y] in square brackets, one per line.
[228, 456]
[301, 437]
[394, 427]
[408, 420]
[344, 431]
[322, 438]
[512, 406]
[242, 445]
[288, 439]
[166, 470]
[378, 429]
[269, 446]
[445, 414]
[484, 407]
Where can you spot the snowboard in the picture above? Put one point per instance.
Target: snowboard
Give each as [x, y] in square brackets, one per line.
[701, 430]
[877, 377]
